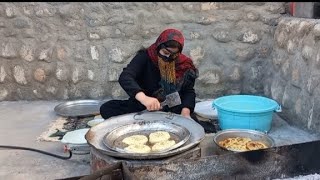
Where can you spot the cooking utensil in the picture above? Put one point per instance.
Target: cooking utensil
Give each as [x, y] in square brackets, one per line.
[76, 142]
[94, 122]
[171, 100]
[246, 133]
[95, 135]
[113, 139]
[205, 110]
[79, 108]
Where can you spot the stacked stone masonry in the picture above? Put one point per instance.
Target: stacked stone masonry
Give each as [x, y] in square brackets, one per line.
[62, 51]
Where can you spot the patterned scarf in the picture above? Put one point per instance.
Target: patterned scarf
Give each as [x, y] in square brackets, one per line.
[172, 73]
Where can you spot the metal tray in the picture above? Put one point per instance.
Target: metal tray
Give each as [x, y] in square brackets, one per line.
[247, 133]
[113, 139]
[96, 134]
[79, 108]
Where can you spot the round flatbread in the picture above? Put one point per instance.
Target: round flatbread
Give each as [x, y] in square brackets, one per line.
[163, 145]
[235, 144]
[255, 145]
[138, 148]
[135, 139]
[158, 136]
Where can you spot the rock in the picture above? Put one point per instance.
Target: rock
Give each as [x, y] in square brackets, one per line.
[210, 77]
[197, 55]
[307, 52]
[3, 74]
[206, 20]
[276, 8]
[11, 12]
[90, 75]
[62, 72]
[113, 74]
[253, 16]
[291, 47]
[94, 53]
[194, 35]
[244, 54]
[93, 36]
[296, 77]
[264, 51]
[236, 74]
[9, 50]
[209, 6]
[21, 23]
[39, 75]
[3, 93]
[281, 39]
[51, 90]
[116, 55]
[61, 53]
[27, 52]
[19, 76]
[45, 55]
[312, 83]
[75, 75]
[249, 37]
[222, 35]
[316, 30]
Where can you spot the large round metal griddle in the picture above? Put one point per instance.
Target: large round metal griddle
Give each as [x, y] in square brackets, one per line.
[97, 133]
[178, 133]
[79, 108]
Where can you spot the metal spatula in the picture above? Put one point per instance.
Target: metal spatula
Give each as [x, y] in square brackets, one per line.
[171, 100]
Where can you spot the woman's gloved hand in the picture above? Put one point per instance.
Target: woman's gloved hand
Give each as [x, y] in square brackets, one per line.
[151, 103]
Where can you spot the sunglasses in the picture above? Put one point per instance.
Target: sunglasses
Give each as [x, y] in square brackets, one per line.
[173, 55]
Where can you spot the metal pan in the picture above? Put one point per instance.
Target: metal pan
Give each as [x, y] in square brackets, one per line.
[79, 108]
[247, 133]
[97, 133]
[113, 139]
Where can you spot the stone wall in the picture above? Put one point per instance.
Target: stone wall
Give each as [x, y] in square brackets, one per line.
[66, 51]
[294, 75]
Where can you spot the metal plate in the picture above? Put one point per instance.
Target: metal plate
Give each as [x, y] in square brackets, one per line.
[248, 133]
[96, 134]
[79, 108]
[113, 139]
[205, 110]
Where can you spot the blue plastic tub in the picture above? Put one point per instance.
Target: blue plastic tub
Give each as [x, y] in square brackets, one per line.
[245, 112]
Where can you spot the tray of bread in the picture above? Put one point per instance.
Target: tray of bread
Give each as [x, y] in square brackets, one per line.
[240, 140]
[146, 137]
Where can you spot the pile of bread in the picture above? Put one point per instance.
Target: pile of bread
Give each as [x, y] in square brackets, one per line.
[157, 141]
[242, 144]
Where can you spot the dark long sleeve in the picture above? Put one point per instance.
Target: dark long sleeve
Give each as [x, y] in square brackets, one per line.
[187, 91]
[130, 74]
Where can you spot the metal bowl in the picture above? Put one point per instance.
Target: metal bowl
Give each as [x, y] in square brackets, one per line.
[247, 133]
[113, 139]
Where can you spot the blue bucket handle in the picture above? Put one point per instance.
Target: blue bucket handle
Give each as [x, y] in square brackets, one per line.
[278, 109]
[212, 105]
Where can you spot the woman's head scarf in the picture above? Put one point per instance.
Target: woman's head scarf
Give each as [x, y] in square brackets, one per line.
[172, 73]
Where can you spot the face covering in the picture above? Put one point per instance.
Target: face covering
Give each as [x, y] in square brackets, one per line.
[170, 58]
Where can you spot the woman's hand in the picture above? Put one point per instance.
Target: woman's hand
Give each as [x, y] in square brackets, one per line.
[186, 112]
[151, 103]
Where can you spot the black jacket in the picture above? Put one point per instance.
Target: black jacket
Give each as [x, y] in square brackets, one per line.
[141, 74]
